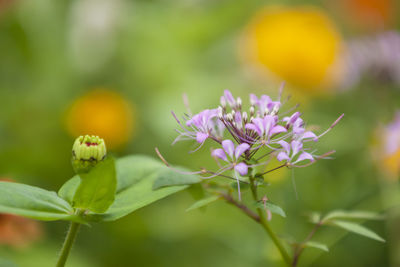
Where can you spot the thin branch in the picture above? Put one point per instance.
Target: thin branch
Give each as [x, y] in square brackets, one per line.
[300, 247]
[274, 169]
[243, 207]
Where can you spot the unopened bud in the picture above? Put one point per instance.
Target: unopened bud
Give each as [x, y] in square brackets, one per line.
[275, 110]
[223, 102]
[239, 102]
[252, 110]
[87, 151]
[244, 115]
[220, 113]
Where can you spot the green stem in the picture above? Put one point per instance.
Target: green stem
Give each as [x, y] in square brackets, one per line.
[69, 241]
[264, 223]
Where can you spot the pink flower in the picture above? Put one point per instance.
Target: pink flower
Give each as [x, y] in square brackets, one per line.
[230, 154]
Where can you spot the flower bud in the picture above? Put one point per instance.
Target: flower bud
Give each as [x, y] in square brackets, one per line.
[87, 151]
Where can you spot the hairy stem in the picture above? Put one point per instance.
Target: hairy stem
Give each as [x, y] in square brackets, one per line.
[264, 223]
[68, 242]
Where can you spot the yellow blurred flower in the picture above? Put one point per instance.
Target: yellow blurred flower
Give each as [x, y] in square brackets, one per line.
[299, 45]
[104, 113]
[392, 164]
[386, 148]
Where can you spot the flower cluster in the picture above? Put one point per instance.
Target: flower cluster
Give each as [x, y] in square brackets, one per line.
[242, 133]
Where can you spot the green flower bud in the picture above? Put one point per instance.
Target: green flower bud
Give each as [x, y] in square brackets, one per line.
[87, 151]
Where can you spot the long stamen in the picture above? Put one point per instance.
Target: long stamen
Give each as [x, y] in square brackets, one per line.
[333, 125]
[174, 169]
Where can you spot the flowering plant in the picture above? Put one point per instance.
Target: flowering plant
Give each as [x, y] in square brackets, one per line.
[248, 140]
[103, 189]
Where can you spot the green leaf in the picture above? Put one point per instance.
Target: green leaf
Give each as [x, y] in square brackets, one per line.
[33, 202]
[96, 191]
[202, 202]
[136, 175]
[317, 245]
[170, 177]
[357, 214]
[357, 229]
[272, 207]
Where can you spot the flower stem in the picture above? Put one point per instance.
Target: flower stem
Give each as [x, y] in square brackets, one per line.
[264, 223]
[68, 242]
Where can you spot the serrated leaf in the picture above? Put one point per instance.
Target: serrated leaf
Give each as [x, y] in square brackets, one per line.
[203, 202]
[357, 229]
[172, 178]
[96, 191]
[357, 214]
[136, 175]
[33, 202]
[272, 207]
[317, 245]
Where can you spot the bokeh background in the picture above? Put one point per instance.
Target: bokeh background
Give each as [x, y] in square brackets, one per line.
[116, 68]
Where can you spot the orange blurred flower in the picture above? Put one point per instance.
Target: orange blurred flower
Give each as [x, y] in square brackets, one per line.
[103, 113]
[370, 14]
[299, 45]
[17, 231]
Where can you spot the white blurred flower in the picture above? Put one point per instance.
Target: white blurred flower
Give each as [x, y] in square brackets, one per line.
[92, 36]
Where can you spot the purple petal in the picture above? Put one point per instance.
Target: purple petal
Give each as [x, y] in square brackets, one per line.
[294, 117]
[253, 99]
[219, 153]
[286, 119]
[304, 156]
[298, 130]
[274, 104]
[259, 123]
[238, 118]
[229, 98]
[229, 147]
[268, 122]
[278, 129]
[201, 137]
[263, 102]
[253, 127]
[241, 168]
[309, 134]
[240, 149]
[282, 156]
[299, 122]
[296, 147]
[285, 146]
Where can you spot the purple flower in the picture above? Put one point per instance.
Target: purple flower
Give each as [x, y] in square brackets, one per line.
[259, 130]
[201, 126]
[265, 104]
[232, 155]
[290, 151]
[266, 127]
[228, 98]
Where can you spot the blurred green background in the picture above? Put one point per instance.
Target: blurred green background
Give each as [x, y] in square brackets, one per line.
[117, 68]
